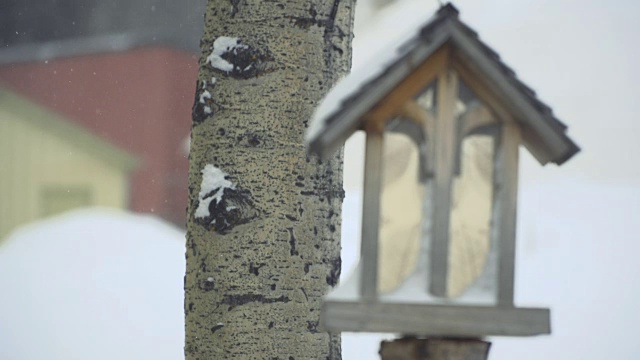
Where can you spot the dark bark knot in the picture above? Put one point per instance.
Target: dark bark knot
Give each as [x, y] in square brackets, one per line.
[326, 21]
[306, 22]
[221, 204]
[237, 60]
[239, 300]
[334, 271]
[255, 268]
[235, 208]
[292, 243]
[328, 193]
[217, 327]
[203, 105]
[251, 139]
[235, 4]
[208, 284]
[312, 326]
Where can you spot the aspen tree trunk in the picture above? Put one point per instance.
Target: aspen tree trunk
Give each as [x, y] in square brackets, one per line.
[263, 218]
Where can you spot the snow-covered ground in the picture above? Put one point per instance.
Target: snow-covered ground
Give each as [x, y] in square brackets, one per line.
[92, 284]
[102, 284]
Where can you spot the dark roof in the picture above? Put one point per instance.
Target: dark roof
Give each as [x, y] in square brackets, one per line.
[64, 28]
[335, 121]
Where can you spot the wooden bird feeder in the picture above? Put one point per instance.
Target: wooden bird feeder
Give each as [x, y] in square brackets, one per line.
[460, 105]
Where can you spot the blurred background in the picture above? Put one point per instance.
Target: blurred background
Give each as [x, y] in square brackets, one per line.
[95, 117]
[96, 100]
[95, 111]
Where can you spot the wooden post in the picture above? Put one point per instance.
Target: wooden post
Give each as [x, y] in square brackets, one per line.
[444, 160]
[371, 211]
[434, 349]
[507, 200]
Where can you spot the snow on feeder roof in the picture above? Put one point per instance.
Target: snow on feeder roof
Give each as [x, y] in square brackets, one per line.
[358, 96]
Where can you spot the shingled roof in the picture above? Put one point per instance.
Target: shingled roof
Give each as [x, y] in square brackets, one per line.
[341, 112]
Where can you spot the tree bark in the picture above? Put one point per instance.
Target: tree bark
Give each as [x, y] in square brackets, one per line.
[263, 222]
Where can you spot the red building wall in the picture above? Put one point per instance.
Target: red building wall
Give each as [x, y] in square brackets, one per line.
[139, 100]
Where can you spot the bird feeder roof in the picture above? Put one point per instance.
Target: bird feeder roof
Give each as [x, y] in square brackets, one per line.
[343, 110]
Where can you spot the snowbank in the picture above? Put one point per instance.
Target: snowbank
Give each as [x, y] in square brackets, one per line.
[92, 284]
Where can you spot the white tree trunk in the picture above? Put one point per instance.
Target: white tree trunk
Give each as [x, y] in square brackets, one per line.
[263, 218]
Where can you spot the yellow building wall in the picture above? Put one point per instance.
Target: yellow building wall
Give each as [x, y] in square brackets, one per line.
[42, 173]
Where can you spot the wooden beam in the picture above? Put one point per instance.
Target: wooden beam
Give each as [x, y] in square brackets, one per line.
[482, 92]
[411, 110]
[390, 105]
[475, 117]
[434, 320]
[427, 122]
[534, 143]
[371, 210]
[555, 142]
[507, 200]
[445, 151]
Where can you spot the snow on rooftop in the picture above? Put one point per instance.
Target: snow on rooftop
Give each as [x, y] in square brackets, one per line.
[347, 86]
[96, 284]
[371, 58]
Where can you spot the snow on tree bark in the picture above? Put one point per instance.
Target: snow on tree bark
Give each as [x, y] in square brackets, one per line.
[263, 231]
